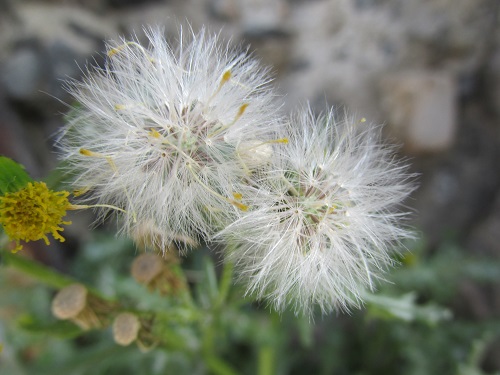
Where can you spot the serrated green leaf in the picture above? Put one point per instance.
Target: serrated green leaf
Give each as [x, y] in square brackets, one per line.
[13, 177]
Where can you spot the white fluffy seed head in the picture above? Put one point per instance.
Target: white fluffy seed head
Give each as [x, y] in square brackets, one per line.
[323, 219]
[156, 132]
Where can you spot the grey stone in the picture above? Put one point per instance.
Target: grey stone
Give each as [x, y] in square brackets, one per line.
[262, 15]
[492, 78]
[23, 74]
[227, 10]
[485, 238]
[421, 109]
[46, 44]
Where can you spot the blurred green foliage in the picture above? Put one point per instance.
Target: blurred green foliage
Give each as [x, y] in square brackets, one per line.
[13, 176]
[414, 325]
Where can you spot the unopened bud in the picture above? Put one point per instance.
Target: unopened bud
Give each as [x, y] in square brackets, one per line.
[146, 267]
[70, 301]
[75, 303]
[147, 236]
[126, 328]
[157, 273]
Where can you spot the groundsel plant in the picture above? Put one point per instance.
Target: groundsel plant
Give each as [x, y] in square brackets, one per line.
[187, 144]
[164, 134]
[322, 224]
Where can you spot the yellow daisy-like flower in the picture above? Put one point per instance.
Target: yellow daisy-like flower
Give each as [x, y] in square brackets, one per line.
[33, 212]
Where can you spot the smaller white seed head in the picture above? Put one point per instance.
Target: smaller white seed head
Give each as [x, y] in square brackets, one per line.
[323, 217]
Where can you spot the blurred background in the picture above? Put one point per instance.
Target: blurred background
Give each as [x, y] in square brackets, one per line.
[427, 69]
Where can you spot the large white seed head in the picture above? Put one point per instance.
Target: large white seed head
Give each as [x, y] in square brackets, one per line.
[156, 132]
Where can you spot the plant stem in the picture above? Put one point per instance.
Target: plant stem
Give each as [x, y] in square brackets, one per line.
[209, 329]
[36, 270]
[266, 360]
[44, 274]
[225, 285]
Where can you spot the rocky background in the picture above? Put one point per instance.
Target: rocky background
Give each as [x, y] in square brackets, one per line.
[428, 69]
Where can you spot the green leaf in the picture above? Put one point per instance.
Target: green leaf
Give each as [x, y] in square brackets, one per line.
[217, 366]
[59, 178]
[13, 177]
[60, 328]
[36, 270]
[211, 278]
[405, 308]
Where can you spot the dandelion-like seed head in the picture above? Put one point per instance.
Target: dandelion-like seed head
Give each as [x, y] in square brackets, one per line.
[33, 212]
[158, 132]
[323, 221]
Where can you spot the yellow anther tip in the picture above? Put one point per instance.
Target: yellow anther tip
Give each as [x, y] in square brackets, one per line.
[113, 51]
[241, 206]
[154, 133]
[119, 107]
[86, 152]
[363, 120]
[242, 109]
[237, 196]
[79, 192]
[226, 76]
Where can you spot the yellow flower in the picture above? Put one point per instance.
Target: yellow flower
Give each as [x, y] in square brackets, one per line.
[33, 212]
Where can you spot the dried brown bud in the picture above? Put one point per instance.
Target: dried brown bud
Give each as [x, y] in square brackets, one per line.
[146, 267]
[70, 301]
[147, 236]
[75, 303]
[157, 273]
[126, 328]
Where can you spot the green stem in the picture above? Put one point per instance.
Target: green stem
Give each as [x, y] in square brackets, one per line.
[215, 364]
[219, 367]
[36, 270]
[266, 357]
[225, 285]
[185, 292]
[42, 273]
